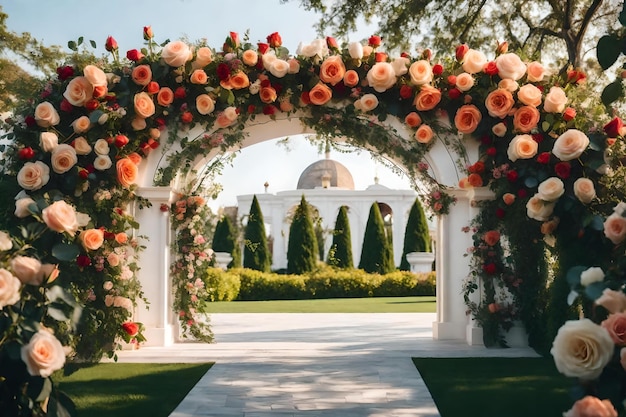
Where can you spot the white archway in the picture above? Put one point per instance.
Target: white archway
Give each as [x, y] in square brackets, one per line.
[452, 266]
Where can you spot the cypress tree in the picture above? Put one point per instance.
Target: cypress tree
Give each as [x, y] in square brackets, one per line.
[375, 252]
[340, 254]
[302, 248]
[255, 251]
[416, 234]
[225, 240]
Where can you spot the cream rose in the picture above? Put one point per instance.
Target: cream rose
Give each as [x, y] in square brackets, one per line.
[510, 66]
[615, 228]
[400, 65]
[355, 49]
[250, 57]
[590, 406]
[205, 104]
[176, 53]
[508, 84]
[92, 239]
[95, 76]
[538, 209]
[555, 100]
[367, 103]
[102, 162]
[204, 56]
[522, 147]
[529, 95]
[21, 207]
[551, 189]
[421, 72]
[27, 270]
[5, 241]
[78, 91]
[464, 81]
[48, 141]
[317, 48]
[81, 146]
[381, 77]
[584, 190]
[499, 129]
[570, 145]
[33, 175]
[63, 158]
[535, 72]
[43, 354]
[144, 106]
[581, 349]
[101, 147]
[279, 68]
[46, 115]
[60, 217]
[591, 275]
[613, 301]
[268, 58]
[474, 61]
[9, 289]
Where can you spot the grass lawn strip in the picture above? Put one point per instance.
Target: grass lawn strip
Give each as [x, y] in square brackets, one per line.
[130, 389]
[496, 387]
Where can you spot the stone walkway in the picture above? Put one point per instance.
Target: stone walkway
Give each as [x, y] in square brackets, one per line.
[313, 365]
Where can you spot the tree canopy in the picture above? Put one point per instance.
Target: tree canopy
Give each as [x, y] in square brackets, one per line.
[340, 253]
[302, 250]
[416, 234]
[376, 255]
[255, 249]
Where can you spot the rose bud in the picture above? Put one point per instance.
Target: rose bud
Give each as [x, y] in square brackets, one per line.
[374, 41]
[263, 47]
[121, 141]
[461, 50]
[274, 40]
[147, 33]
[111, 44]
[26, 153]
[331, 42]
[134, 55]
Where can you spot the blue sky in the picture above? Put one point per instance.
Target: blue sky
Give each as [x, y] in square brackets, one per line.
[58, 21]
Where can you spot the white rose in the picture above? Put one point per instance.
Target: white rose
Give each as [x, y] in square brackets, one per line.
[255, 87]
[400, 65]
[367, 103]
[538, 209]
[82, 146]
[355, 49]
[33, 175]
[102, 162]
[101, 147]
[551, 189]
[26, 269]
[9, 289]
[474, 61]
[176, 53]
[581, 349]
[584, 190]
[279, 68]
[555, 100]
[510, 66]
[43, 354]
[316, 48]
[570, 145]
[21, 207]
[268, 58]
[591, 275]
[63, 158]
[5, 241]
[48, 141]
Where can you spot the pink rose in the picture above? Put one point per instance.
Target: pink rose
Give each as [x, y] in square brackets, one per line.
[79, 91]
[144, 106]
[63, 158]
[9, 289]
[176, 53]
[570, 145]
[381, 77]
[27, 270]
[43, 354]
[60, 217]
[474, 61]
[590, 406]
[33, 175]
[615, 228]
[510, 66]
[613, 301]
[46, 115]
[529, 95]
[555, 100]
[615, 324]
[421, 72]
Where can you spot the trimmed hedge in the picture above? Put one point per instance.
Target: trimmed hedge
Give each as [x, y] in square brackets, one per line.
[255, 285]
[222, 285]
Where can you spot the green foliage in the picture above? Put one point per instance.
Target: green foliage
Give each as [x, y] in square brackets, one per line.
[416, 234]
[225, 240]
[375, 255]
[221, 285]
[340, 253]
[302, 250]
[255, 250]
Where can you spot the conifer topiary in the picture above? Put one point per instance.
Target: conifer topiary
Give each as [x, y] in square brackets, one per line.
[340, 254]
[416, 234]
[302, 251]
[255, 249]
[225, 240]
[375, 254]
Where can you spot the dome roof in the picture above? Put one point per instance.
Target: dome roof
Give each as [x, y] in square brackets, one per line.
[337, 175]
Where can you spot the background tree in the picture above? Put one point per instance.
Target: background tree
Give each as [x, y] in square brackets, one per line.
[375, 255]
[302, 255]
[255, 250]
[416, 234]
[557, 28]
[340, 253]
[225, 240]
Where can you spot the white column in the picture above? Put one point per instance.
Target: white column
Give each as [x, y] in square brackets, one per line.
[155, 264]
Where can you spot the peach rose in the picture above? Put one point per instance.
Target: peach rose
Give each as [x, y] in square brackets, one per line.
[590, 406]
[121, 238]
[135, 157]
[424, 134]
[615, 324]
[63, 158]
[538, 209]
[285, 105]
[367, 103]
[60, 217]
[474, 61]
[615, 228]
[581, 349]
[508, 84]
[49, 272]
[570, 145]
[138, 123]
[198, 77]
[268, 95]
[142, 74]
[126, 172]
[491, 237]
[239, 80]
[381, 76]
[510, 66]
[5, 241]
[9, 289]
[48, 141]
[320, 94]
[427, 98]
[464, 81]
[114, 260]
[33, 175]
[294, 66]
[555, 100]
[226, 117]
[165, 96]
[535, 72]
[95, 76]
[613, 301]
[26, 269]
[81, 146]
[204, 56]
[529, 95]
[467, 118]
[332, 70]
[205, 104]
[279, 68]
[499, 130]
[421, 72]
[81, 125]
[92, 239]
[78, 91]
[144, 106]
[46, 115]
[584, 190]
[102, 162]
[351, 78]
[499, 103]
[43, 354]
[176, 53]
[522, 147]
[250, 57]
[526, 118]
[21, 207]
[101, 147]
[548, 227]
[413, 119]
[551, 189]
[508, 198]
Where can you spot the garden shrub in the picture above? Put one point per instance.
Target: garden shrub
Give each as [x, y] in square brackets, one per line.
[404, 283]
[222, 285]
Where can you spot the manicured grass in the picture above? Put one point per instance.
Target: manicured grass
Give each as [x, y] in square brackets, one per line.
[496, 387]
[130, 389]
[330, 305]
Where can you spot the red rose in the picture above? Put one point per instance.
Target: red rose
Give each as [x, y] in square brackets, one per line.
[26, 153]
[563, 170]
[492, 151]
[266, 83]
[164, 208]
[512, 176]
[110, 44]
[147, 33]
[491, 68]
[490, 268]
[406, 91]
[108, 235]
[65, 72]
[92, 104]
[461, 50]
[66, 106]
[234, 37]
[437, 69]
[223, 72]
[454, 93]
[130, 328]
[543, 158]
[251, 109]
[274, 40]
[30, 121]
[83, 261]
[613, 127]
[145, 148]
[83, 174]
[380, 57]
[374, 41]
[263, 47]
[186, 117]
[522, 193]
[134, 55]
[180, 93]
[269, 110]
[478, 167]
[153, 87]
[331, 42]
[576, 77]
[500, 212]
[569, 114]
[305, 97]
[160, 122]
[406, 55]
[121, 141]
[451, 80]
[537, 137]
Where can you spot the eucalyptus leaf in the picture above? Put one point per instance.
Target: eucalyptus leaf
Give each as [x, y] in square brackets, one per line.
[93, 44]
[573, 275]
[597, 223]
[65, 251]
[72, 46]
[571, 297]
[95, 115]
[531, 182]
[594, 290]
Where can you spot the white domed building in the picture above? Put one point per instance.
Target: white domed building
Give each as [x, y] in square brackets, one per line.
[327, 185]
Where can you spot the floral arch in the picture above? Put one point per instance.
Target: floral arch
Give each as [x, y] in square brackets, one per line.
[96, 154]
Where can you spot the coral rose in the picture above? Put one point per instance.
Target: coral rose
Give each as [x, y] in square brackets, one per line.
[570, 145]
[60, 217]
[33, 175]
[351, 78]
[526, 118]
[46, 115]
[413, 119]
[555, 100]
[43, 354]
[198, 77]
[320, 94]
[590, 406]
[427, 98]
[92, 239]
[79, 91]
[176, 53]
[142, 74]
[63, 158]
[424, 134]
[529, 95]
[499, 103]
[510, 66]
[584, 190]
[421, 72]
[474, 61]
[332, 70]
[522, 147]
[144, 106]
[381, 77]
[491, 237]
[467, 118]
[239, 80]
[126, 172]
[615, 228]
[165, 96]
[508, 198]
[9, 289]
[205, 104]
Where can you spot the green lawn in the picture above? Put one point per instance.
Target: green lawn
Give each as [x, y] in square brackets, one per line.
[330, 305]
[130, 389]
[496, 387]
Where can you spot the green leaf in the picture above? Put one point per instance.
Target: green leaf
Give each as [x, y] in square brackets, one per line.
[594, 290]
[80, 40]
[545, 126]
[65, 251]
[531, 182]
[608, 50]
[93, 44]
[573, 275]
[72, 46]
[59, 407]
[39, 388]
[612, 92]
